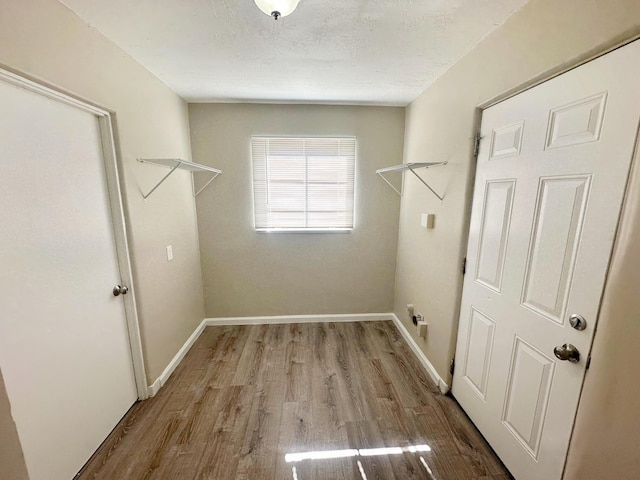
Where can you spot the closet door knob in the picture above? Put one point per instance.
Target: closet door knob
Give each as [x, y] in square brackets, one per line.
[120, 290]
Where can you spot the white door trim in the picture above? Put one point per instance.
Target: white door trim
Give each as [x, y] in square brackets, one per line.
[554, 72]
[117, 213]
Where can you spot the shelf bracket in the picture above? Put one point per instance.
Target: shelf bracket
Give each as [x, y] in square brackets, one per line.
[173, 169]
[175, 164]
[426, 184]
[412, 168]
[195, 194]
[399, 192]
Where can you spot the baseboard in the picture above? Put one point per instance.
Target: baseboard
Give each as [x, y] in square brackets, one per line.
[175, 361]
[422, 358]
[154, 387]
[355, 317]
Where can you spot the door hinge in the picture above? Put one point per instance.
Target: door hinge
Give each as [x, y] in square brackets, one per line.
[476, 144]
[588, 362]
[464, 265]
[453, 366]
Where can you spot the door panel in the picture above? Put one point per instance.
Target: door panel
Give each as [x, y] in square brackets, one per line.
[506, 141]
[551, 176]
[479, 345]
[527, 395]
[494, 233]
[557, 227]
[579, 122]
[64, 349]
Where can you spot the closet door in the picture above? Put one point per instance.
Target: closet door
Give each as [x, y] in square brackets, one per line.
[64, 347]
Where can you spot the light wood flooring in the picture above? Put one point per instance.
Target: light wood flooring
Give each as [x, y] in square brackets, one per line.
[245, 396]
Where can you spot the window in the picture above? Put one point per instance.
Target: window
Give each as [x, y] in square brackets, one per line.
[303, 184]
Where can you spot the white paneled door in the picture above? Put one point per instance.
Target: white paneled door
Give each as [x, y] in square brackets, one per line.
[64, 347]
[552, 171]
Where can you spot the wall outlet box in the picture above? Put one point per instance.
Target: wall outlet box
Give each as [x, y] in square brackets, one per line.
[422, 329]
[169, 253]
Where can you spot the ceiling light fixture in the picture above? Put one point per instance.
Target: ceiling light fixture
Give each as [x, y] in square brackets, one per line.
[277, 8]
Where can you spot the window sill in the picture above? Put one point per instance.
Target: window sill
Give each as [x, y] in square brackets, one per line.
[304, 230]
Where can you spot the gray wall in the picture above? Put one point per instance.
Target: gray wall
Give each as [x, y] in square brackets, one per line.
[247, 273]
[45, 40]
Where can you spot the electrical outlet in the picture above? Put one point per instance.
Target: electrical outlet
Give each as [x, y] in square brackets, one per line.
[169, 253]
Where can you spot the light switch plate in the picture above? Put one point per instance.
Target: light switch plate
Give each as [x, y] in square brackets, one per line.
[169, 253]
[431, 220]
[428, 220]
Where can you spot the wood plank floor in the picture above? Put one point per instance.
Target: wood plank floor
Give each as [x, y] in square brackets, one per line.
[245, 396]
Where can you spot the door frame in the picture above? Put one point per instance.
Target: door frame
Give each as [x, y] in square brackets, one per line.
[478, 114]
[116, 207]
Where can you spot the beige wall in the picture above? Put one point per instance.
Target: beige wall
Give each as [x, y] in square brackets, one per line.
[542, 37]
[43, 39]
[248, 273]
[605, 439]
[12, 464]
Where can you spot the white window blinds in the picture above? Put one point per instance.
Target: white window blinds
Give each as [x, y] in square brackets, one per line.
[303, 183]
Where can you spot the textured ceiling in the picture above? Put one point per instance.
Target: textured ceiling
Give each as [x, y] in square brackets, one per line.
[383, 52]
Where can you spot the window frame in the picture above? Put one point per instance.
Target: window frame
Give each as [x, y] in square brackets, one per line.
[306, 183]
